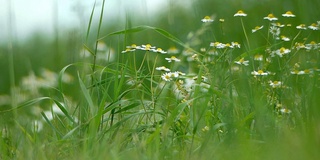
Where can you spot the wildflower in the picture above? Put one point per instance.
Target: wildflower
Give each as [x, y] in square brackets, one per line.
[278, 24]
[187, 52]
[128, 50]
[256, 28]
[213, 52]
[174, 74]
[166, 77]
[147, 47]
[313, 26]
[207, 19]
[284, 38]
[205, 128]
[288, 14]
[172, 58]
[221, 20]
[235, 45]
[285, 111]
[312, 45]
[159, 50]
[133, 46]
[180, 73]
[101, 46]
[173, 50]
[295, 72]
[271, 17]
[275, 31]
[302, 72]
[302, 26]
[195, 57]
[240, 13]
[259, 73]
[217, 45]
[258, 57]
[275, 84]
[242, 62]
[280, 52]
[203, 78]
[163, 68]
[298, 45]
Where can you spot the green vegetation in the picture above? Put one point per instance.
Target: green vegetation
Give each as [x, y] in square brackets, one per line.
[239, 85]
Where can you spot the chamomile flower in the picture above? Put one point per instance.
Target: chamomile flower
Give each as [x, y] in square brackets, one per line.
[285, 111]
[163, 68]
[280, 52]
[259, 73]
[256, 28]
[258, 57]
[298, 46]
[302, 26]
[172, 58]
[312, 45]
[213, 52]
[235, 45]
[240, 13]
[313, 26]
[288, 14]
[166, 77]
[275, 31]
[217, 45]
[271, 17]
[173, 50]
[301, 72]
[133, 46]
[180, 73]
[284, 38]
[128, 50]
[275, 84]
[278, 24]
[205, 128]
[242, 62]
[203, 78]
[207, 19]
[147, 47]
[159, 50]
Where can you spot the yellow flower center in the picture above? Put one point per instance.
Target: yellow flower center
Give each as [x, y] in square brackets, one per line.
[289, 13]
[257, 27]
[260, 72]
[307, 71]
[271, 15]
[282, 50]
[312, 42]
[240, 12]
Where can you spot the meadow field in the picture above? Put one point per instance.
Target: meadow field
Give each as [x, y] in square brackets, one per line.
[215, 80]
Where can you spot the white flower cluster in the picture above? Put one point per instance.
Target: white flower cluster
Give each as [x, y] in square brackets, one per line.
[146, 47]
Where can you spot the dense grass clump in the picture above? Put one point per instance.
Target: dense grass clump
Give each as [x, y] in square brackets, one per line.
[255, 97]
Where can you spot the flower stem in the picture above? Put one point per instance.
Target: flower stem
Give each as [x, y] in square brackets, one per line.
[245, 34]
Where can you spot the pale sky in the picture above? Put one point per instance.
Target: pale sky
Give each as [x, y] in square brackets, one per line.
[38, 15]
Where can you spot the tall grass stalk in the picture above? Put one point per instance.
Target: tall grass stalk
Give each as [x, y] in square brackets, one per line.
[11, 38]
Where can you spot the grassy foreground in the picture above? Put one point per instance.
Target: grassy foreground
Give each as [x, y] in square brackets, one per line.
[252, 98]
